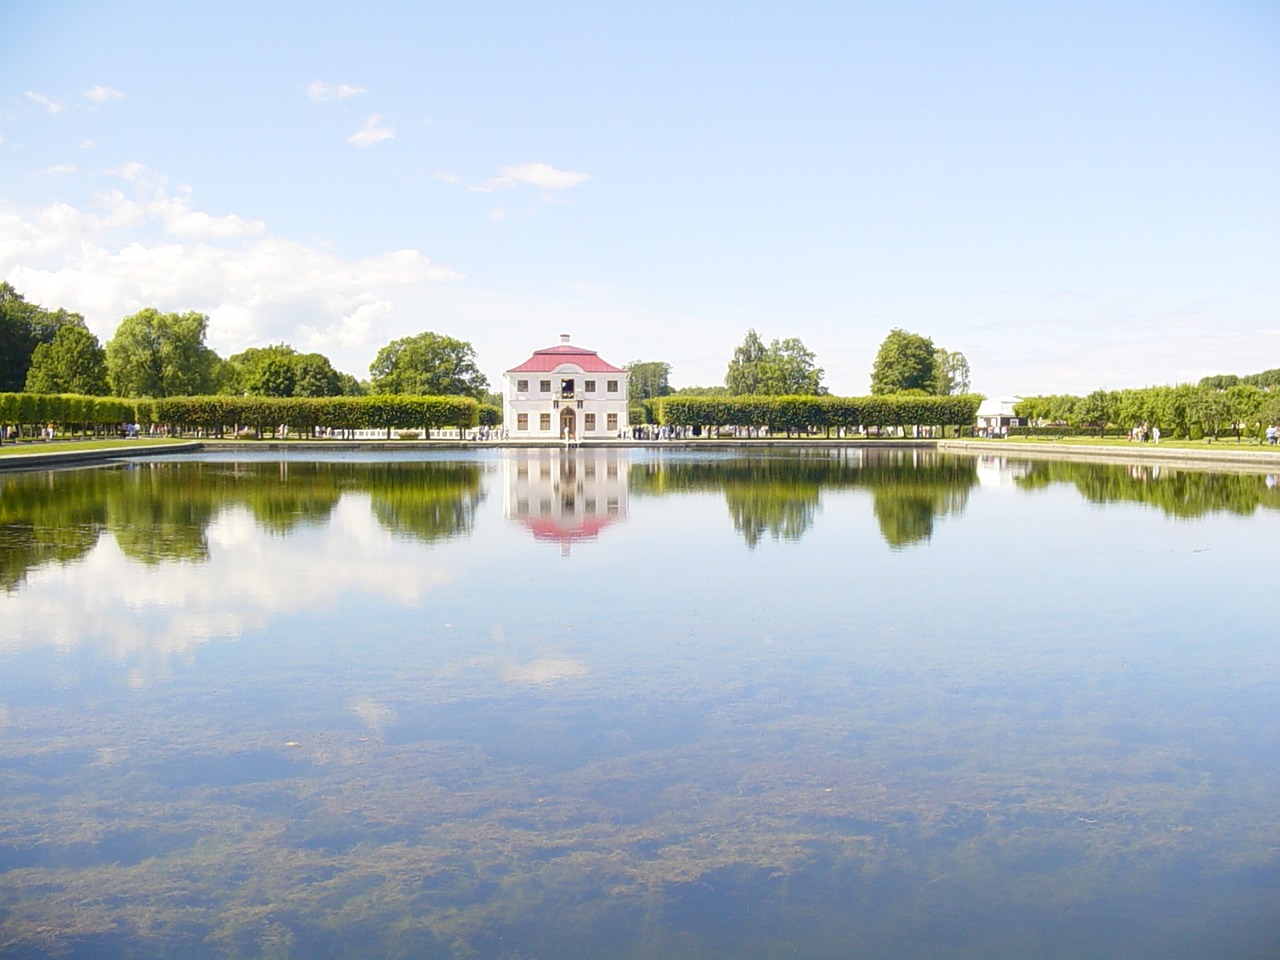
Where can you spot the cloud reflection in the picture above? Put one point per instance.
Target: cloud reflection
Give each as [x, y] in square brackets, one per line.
[121, 609]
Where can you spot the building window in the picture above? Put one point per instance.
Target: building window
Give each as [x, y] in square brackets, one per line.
[589, 386]
[589, 421]
[544, 386]
[544, 422]
[522, 386]
[611, 386]
[522, 421]
[566, 388]
[613, 421]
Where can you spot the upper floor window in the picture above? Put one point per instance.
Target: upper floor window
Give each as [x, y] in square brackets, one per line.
[611, 386]
[589, 386]
[522, 386]
[544, 386]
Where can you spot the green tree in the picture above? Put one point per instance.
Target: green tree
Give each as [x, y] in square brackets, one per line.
[314, 376]
[648, 379]
[950, 372]
[154, 354]
[349, 386]
[278, 370]
[73, 363]
[744, 373]
[905, 361]
[23, 327]
[428, 363]
[790, 370]
[1096, 409]
[246, 371]
[784, 368]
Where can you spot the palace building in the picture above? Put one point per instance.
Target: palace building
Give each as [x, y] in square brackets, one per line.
[565, 392]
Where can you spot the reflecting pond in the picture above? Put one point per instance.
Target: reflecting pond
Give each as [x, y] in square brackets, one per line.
[612, 703]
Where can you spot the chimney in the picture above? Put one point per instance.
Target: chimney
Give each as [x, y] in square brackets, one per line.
[564, 338]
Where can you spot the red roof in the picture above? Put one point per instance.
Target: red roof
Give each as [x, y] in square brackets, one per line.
[548, 528]
[544, 361]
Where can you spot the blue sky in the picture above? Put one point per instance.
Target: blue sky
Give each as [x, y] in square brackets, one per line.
[1075, 195]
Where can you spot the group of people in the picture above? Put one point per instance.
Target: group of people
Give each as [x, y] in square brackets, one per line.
[1144, 433]
[1273, 434]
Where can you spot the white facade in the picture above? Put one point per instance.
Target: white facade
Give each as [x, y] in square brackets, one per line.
[996, 414]
[565, 392]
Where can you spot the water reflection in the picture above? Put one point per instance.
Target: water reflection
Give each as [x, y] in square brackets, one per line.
[565, 496]
[161, 510]
[780, 496]
[1179, 493]
[415, 738]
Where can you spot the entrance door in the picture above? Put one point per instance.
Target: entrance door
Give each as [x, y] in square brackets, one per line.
[568, 424]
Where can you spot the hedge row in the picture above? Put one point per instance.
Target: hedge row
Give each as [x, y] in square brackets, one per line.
[27, 412]
[817, 413]
[307, 414]
[220, 414]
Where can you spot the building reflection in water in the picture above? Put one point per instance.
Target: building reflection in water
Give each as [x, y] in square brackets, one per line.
[565, 496]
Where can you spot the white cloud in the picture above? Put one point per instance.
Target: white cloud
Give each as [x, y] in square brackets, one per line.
[371, 133]
[540, 175]
[147, 247]
[181, 221]
[88, 144]
[50, 104]
[320, 91]
[101, 94]
[59, 169]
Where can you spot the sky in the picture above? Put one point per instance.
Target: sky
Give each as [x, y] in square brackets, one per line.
[1075, 195]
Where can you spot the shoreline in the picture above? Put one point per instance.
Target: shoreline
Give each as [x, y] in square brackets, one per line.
[1263, 460]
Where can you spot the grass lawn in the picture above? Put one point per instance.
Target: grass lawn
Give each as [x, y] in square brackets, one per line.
[9, 448]
[1223, 443]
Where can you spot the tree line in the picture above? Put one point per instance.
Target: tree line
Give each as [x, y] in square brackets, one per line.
[156, 354]
[1185, 411]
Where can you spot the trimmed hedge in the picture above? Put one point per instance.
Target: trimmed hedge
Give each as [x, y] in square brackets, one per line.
[70, 411]
[813, 413]
[218, 415]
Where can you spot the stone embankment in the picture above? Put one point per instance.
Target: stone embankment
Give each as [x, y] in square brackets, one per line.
[1211, 456]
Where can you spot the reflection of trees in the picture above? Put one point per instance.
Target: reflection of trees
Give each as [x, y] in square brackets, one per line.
[426, 501]
[907, 501]
[38, 527]
[784, 512]
[154, 519]
[161, 510]
[780, 495]
[1179, 493]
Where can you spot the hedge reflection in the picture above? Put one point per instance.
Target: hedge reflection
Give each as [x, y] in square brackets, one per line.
[426, 502]
[48, 519]
[780, 497]
[161, 512]
[1180, 493]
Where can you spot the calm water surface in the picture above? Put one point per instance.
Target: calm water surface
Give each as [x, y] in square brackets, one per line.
[603, 704]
